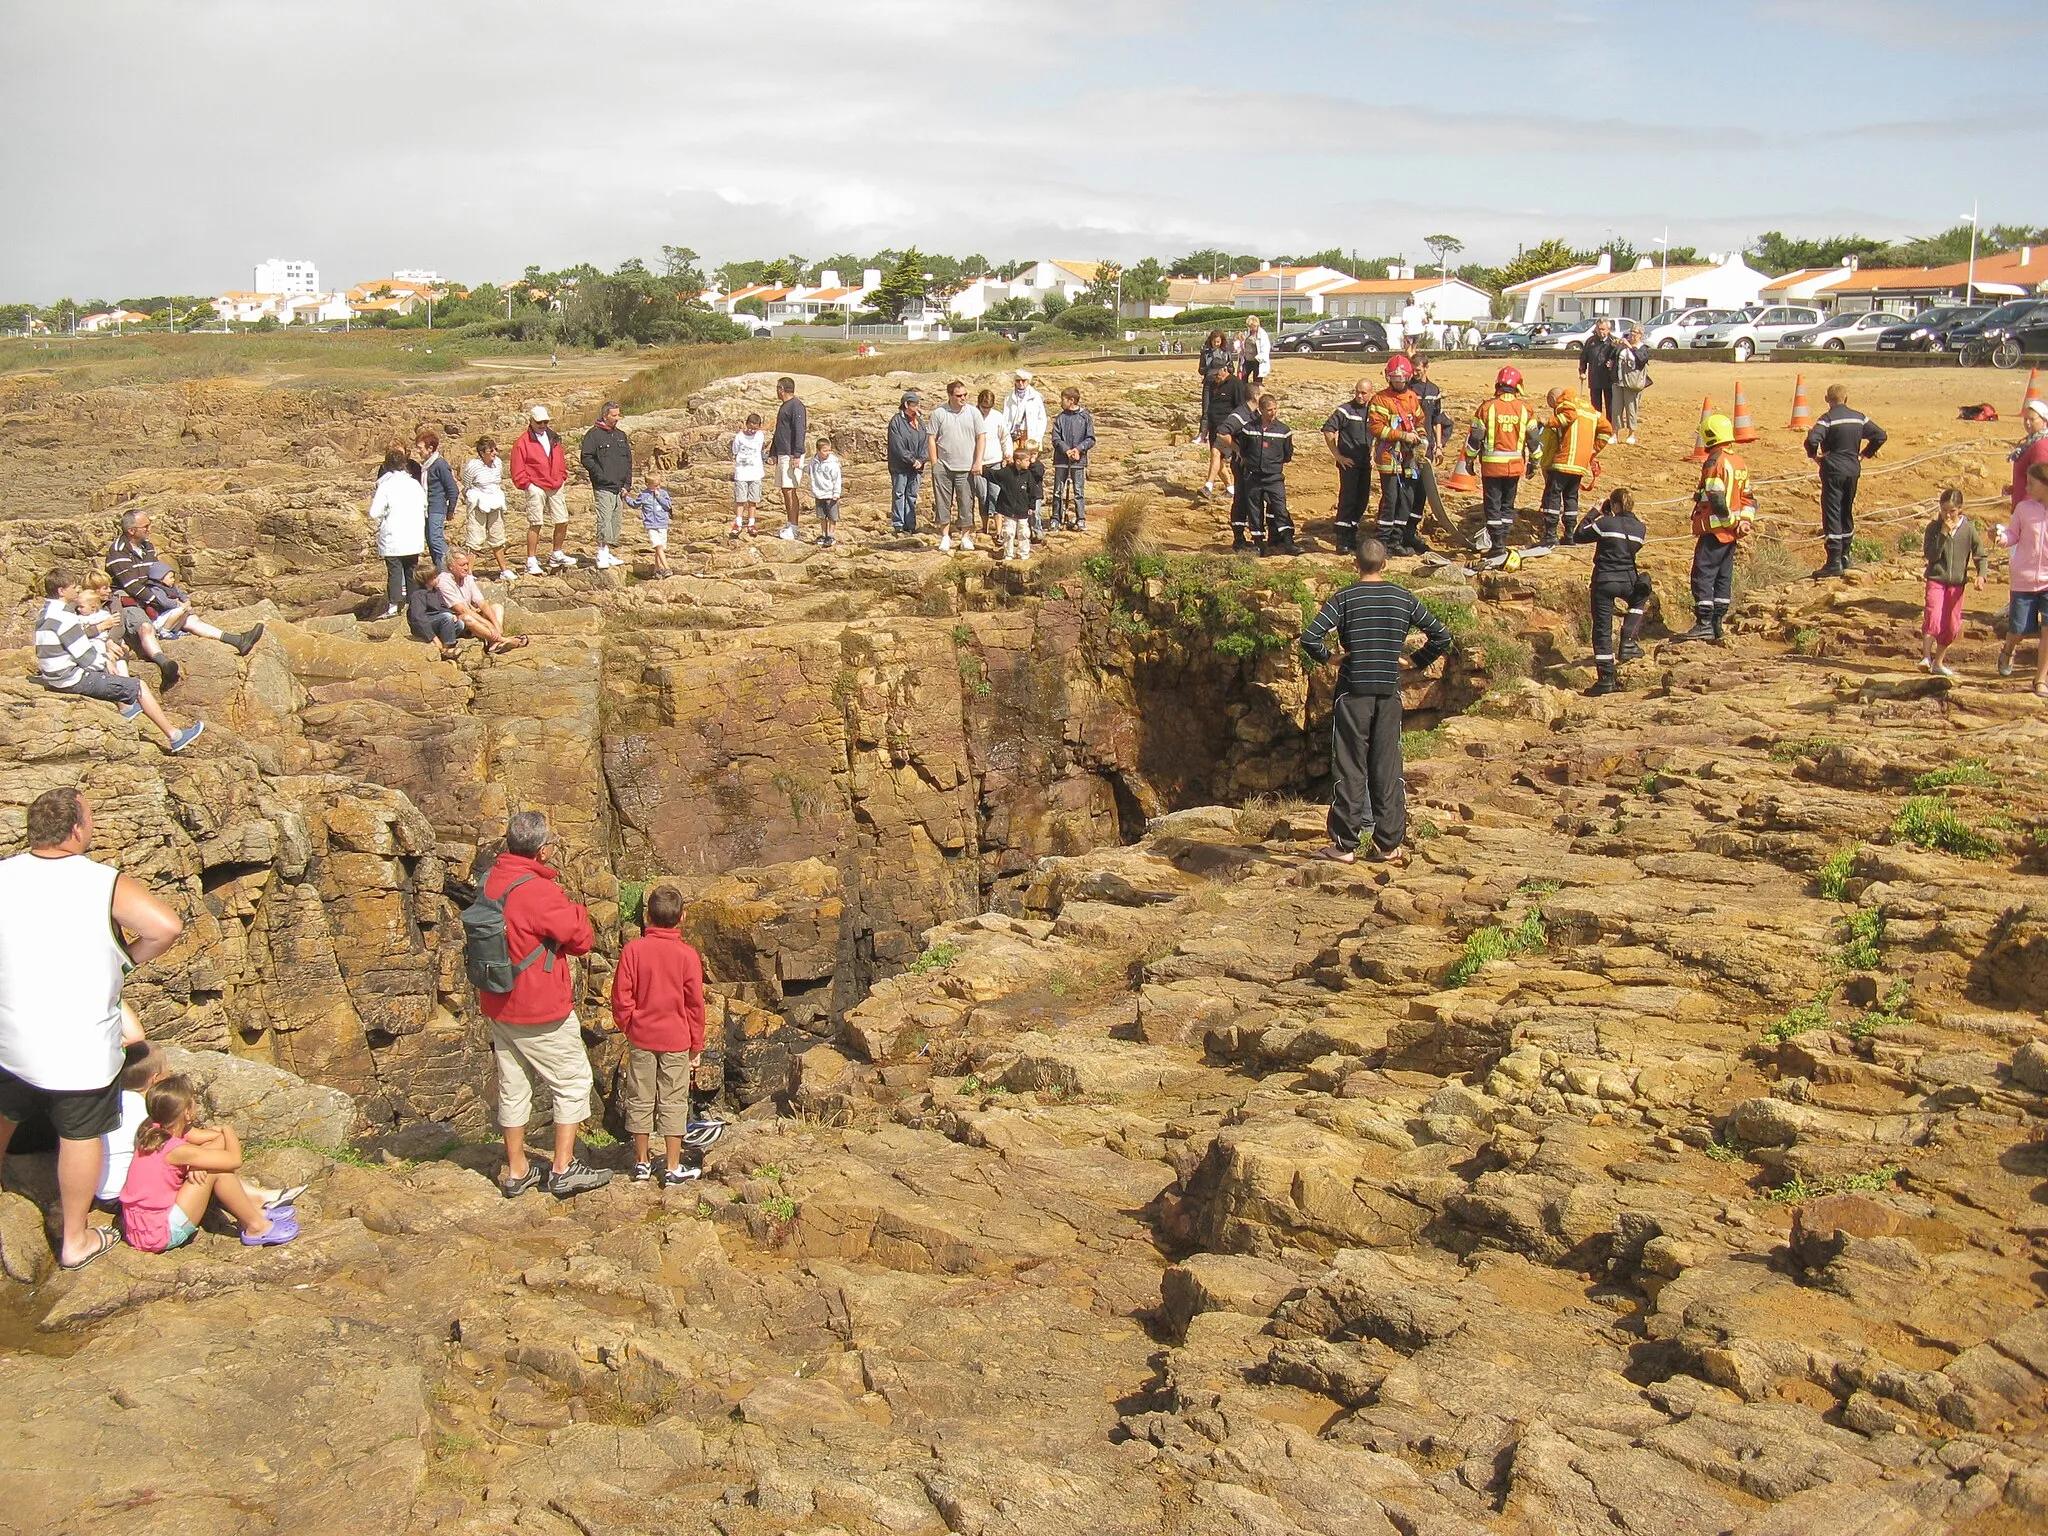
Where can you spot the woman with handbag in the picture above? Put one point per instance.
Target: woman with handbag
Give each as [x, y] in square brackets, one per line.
[1632, 377]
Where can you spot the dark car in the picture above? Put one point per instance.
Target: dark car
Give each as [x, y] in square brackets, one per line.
[1339, 333]
[2003, 336]
[1929, 330]
[1520, 338]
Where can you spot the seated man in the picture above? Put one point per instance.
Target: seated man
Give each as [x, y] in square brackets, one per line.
[457, 587]
[69, 660]
[145, 581]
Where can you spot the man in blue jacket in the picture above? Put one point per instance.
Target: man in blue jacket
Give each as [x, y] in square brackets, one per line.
[907, 452]
[1073, 435]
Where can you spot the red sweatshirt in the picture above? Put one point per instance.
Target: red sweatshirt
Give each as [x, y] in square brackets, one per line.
[540, 910]
[658, 993]
[530, 466]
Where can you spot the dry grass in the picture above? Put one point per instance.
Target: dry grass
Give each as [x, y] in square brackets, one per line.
[680, 373]
[1125, 532]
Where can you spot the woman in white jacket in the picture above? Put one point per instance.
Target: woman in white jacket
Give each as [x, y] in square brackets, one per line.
[399, 512]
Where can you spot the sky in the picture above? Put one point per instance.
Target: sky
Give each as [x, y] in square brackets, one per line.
[166, 148]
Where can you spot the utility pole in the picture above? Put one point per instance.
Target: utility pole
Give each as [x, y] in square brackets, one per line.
[1970, 286]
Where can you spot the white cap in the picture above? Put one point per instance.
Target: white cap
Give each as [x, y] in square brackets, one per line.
[1022, 373]
[540, 413]
[2038, 406]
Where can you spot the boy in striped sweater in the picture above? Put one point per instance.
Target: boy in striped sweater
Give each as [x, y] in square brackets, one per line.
[70, 660]
[1368, 794]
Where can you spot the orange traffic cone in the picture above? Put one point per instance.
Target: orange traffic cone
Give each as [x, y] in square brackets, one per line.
[1460, 479]
[1745, 429]
[2033, 391]
[1699, 438]
[1802, 413]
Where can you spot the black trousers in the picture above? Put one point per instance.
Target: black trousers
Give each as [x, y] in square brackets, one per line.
[1266, 507]
[1607, 591]
[1838, 509]
[1368, 795]
[1713, 578]
[1499, 493]
[398, 579]
[1354, 495]
[1561, 495]
[1400, 510]
[1240, 506]
[1601, 387]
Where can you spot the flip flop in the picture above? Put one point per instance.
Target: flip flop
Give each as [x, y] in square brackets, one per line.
[103, 1239]
[1336, 855]
[284, 1197]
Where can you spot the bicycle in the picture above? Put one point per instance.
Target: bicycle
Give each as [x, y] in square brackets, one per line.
[1999, 352]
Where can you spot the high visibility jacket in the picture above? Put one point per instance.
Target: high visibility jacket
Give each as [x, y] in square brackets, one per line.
[1575, 434]
[1390, 414]
[1723, 505]
[1500, 434]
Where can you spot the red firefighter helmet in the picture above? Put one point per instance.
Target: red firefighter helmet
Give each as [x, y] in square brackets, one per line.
[1398, 366]
[1508, 378]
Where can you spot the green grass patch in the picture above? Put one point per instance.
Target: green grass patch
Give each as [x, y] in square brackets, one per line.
[1970, 773]
[1537, 887]
[1212, 595]
[1417, 745]
[594, 1136]
[1832, 878]
[937, 958]
[1721, 1152]
[1493, 942]
[1805, 642]
[1865, 551]
[1870, 1181]
[1792, 749]
[1860, 945]
[1891, 1012]
[353, 1156]
[1929, 821]
[1806, 1017]
[632, 896]
[769, 1172]
[780, 1207]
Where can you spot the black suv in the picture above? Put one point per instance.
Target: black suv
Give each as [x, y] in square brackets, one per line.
[1339, 333]
[1929, 330]
[2003, 336]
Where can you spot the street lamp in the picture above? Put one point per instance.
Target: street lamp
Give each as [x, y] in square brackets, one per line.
[1664, 277]
[1970, 284]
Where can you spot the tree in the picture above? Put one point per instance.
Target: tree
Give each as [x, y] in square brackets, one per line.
[1211, 265]
[751, 307]
[1087, 319]
[903, 282]
[1102, 289]
[1443, 247]
[15, 317]
[1552, 255]
[1009, 311]
[1053, 304]
[1145, 282]
[1776, 253]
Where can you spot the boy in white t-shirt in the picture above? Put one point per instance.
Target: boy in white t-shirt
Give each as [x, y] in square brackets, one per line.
[749, 456]
[827, 481]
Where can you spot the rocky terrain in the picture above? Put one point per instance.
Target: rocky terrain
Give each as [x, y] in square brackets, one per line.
[1658, 1152]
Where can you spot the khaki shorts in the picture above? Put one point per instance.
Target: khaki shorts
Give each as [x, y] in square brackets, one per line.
[657, 1093]
[486, 528]
[549, 1054]
[786, 476]
[657, 538]
[544, 507]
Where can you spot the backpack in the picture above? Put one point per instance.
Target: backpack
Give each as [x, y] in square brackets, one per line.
[484, 955]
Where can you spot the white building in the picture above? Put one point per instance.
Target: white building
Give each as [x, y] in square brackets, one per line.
[419, 275]
[1526, 300]
[280, 276]
[1290, 290]
[112, 320]
[803, 303]
[1070, 278]
[1444, 300]
[1719, 283]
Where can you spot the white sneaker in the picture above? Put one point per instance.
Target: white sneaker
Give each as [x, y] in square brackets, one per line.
[508, 575]
[1024, 550]
[532, 565]
[1945, 671]
[1209, 488]
[967, 541]
[1926, 663]
[390, 611]
[606, 560]
[1630, 439]
[945, 541]
[562, 559]
[788, 532]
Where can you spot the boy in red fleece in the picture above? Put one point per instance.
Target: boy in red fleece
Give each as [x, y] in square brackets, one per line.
[658, 1005]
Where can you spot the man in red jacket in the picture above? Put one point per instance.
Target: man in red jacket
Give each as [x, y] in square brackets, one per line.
[535, 1036]
[540, 468]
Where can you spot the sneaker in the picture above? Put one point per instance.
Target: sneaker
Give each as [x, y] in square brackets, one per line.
[2005, 666]
[1945, 671]
[563, 559]
[512, 1189]
[967, 541]
[734, 531]
[945, 542]
[1630, 440]
[390, 611]
[1927, 664]
[606, 559]
[675, 1178]
[642, 1172]
[282, 1230]
[130, 711]
[167, 675]
[788, 532]
[508, 575]
[187, 736]
[533, 565]
[1209, 489]
[575, 1179]
[751, 529]
[829, 542]
[822, 540]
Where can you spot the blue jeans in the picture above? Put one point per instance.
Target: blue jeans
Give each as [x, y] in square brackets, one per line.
[1070, 494]
[437, 536]
[903, 487]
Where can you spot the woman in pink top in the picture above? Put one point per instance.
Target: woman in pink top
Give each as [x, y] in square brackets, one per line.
[2027, 537]
[181, 1168]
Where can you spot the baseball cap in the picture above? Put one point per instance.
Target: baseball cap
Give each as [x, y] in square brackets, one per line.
[1022, 373]
[540, 413]
[912, 397]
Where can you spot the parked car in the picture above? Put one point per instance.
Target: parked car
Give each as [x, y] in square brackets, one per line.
[2005, 335]
[1570, 338]
[1672, 328]
[1843, 333]
[1929, 331]
[1755, 333]
[1339, 333]
[1518, 338]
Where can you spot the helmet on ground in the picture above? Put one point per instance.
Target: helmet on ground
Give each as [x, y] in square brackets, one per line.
[1399, 366]
[1717, 430]
[1513, 561]
[1508, 378]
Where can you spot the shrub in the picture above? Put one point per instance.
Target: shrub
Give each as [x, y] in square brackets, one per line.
[1862, 942]
[1792, 749]
[937, 958]
[1124, 530]
[631, 894]
[1867, 551]
[1765, 562]
[1494, 942]
[1908, 542]
[1887, 1014]
[1929, 821]
[1807, 1016]
[1832, 878]
[1087, 320]
[1969, 773]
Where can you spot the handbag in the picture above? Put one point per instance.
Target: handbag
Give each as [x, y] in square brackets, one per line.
[1635, 376]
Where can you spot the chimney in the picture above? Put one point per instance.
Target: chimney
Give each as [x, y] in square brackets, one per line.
[1644, 263]
[871, 277]
[1265, 266]
[1606, 261]
[829, 278]
[2026, 255]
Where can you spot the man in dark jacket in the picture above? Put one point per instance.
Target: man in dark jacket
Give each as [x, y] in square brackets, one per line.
[1265, 446]
[1368, 793]
[1599, 366]
[1349, 435]
[1839, 443]
[1619, 533]
[535, 1035]
[786, 449]
[907, 450]
[1073, 436]
[607, 455]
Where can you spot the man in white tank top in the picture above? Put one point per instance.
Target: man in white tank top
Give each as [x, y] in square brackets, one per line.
[69, 929]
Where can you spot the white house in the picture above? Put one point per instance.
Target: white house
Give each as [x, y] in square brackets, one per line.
[280, 276]
[978, 297]
[111, 320]
[1720, 283]
[1071, 278]
[1526, 299]
[1446, 300]
[803, 303]
[246, 308]
[314, 308]
[1292, 290]
[1808, 285]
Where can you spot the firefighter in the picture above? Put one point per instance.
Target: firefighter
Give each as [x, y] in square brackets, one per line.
[1839, 443]
[1349, 435]
[1571, 444]
[1723, 511]
[1436, 431]
[1617, 534]
[1395, 421]
[1499, 445]
[1243, 528]
[1265, 445]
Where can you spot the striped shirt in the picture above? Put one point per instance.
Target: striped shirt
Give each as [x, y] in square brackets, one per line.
[64, 651]
[1372, 620]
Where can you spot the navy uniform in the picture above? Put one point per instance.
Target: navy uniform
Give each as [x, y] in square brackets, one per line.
[1839, 442]
[1263, 453]
[1619, 536]
[1240, 497]
[1352, 425]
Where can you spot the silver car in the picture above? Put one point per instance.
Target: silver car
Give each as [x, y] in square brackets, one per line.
[1843, 333]
[1756, 333]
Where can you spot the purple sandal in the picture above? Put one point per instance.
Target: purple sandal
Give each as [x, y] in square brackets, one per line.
[283, 1229]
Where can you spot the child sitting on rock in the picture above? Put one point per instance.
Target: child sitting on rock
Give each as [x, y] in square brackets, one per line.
[145, 1066]
[658, 1005]
[181, 1168]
